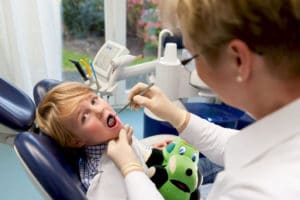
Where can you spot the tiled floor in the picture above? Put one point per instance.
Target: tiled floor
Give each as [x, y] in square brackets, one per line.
[15, 183]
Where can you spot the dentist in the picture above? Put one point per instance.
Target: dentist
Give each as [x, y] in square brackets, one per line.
[248, 52]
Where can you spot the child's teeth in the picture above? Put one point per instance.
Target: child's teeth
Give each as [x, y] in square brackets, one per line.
[111, 121]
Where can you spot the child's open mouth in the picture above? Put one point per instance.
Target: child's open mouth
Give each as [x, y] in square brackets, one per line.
[111, 121]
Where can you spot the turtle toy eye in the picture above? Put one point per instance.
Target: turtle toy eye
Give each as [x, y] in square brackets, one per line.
[182, 150]
[194, 157]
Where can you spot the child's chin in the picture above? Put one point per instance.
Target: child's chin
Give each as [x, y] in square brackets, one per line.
[115, 136]
[117, 130]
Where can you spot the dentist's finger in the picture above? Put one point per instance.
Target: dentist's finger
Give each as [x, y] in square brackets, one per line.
[125, 127]
[130, 131]
[123, 135]
[142, 101]
[129, 135]
[136, 89]
[135, 106]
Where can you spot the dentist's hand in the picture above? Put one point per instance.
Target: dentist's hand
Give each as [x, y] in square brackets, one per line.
[120, 151]
[158, 103]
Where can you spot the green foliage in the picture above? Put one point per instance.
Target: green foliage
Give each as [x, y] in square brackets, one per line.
[152, 26]
[142, 60]
[83, 18]
[68, 66]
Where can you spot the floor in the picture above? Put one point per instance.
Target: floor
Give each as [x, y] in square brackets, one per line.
[15, 183]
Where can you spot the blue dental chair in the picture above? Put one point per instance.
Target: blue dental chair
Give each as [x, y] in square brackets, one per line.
[53, 169]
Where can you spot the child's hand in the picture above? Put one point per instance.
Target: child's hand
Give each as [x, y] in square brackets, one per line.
[162, 144]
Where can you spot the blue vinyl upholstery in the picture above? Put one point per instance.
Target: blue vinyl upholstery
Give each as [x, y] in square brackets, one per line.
[42, 87]
[55, 168]
[17, 110]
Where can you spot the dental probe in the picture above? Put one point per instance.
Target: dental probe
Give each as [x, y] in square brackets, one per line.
[140, 93]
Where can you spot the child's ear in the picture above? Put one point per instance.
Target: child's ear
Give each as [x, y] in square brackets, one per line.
[77, 143]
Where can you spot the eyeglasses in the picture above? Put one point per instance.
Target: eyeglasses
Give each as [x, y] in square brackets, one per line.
[186, 61]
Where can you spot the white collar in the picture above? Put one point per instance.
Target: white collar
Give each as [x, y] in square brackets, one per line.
[259, 137]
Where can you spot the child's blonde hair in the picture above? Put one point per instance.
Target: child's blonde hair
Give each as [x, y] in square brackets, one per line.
[58, 105]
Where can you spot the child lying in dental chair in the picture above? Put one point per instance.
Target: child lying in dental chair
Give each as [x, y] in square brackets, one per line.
[73, 115]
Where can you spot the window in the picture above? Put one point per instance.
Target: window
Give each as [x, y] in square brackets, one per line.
[84, 33]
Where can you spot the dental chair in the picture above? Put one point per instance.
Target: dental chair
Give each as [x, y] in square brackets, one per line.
[52, 168]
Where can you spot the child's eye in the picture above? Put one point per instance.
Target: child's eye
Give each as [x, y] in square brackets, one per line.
[94, 100]
[83, 118]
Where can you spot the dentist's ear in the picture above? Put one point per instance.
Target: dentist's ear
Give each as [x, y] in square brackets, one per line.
[241, 54]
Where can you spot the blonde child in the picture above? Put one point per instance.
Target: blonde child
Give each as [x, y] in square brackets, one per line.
[73, 115]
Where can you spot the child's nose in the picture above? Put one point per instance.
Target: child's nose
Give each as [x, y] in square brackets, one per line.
[99, 113]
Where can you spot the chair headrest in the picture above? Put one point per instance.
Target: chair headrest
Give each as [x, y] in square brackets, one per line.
[42, 87]
[17, 110]
[54, 169]
[173, 39]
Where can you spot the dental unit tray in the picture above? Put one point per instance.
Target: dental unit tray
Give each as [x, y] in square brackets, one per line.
[103, 66]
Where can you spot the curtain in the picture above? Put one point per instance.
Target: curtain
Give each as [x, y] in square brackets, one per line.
[30, 42]
[115, 30]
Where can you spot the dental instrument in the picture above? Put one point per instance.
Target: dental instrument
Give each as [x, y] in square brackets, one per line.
[79, 68]
[142, 92]
[95, 77]
[87, 67]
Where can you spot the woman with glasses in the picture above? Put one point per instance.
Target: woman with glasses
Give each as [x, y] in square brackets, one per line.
[248, 52]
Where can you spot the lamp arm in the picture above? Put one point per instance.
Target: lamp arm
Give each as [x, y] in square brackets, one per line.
[144, 68]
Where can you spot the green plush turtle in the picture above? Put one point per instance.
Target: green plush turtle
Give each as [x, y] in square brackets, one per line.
[174, 170]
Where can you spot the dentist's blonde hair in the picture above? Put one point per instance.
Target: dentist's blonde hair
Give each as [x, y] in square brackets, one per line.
[268, 27]
[57, 106]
